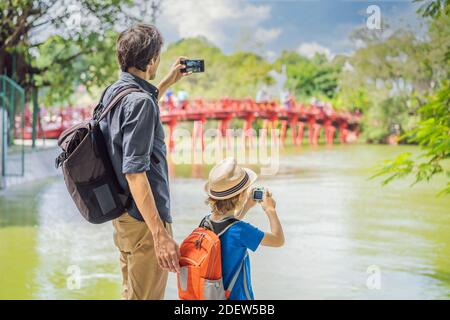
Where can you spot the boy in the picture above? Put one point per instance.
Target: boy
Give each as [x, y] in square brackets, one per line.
[229, 196]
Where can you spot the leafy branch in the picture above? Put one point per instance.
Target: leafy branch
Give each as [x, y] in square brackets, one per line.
[433, 136]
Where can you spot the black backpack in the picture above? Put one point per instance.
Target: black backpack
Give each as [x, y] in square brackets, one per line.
[87, 168]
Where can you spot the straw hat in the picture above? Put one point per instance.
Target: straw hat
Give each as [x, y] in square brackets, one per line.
[228, 179]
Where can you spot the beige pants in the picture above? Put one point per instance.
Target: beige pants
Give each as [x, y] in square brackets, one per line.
[143, 279]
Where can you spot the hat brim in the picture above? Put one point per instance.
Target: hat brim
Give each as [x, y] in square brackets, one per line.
[252, 178]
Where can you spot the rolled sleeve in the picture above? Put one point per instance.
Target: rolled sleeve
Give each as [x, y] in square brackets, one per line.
[250, 236]
[138, 134]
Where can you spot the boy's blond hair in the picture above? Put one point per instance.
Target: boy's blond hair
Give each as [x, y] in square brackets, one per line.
[225, 206]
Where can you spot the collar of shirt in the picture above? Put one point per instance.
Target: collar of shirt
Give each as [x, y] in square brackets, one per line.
[145, 85]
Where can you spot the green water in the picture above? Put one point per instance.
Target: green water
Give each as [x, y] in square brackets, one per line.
[337, 224]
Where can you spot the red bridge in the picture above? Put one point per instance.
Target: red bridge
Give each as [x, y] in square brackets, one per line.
[296, 117]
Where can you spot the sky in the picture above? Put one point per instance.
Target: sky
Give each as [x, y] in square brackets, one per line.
[268, 27]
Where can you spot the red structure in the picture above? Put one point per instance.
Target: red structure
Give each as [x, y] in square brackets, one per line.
[297, 118]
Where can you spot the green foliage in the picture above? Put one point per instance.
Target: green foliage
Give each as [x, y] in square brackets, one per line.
[381, 72]
[316, 77]
[432, 132]
[392, 73]
[434, 8]
[433, 135]
[94, 65]
[235, 75]
[78, 49]
[241, 73]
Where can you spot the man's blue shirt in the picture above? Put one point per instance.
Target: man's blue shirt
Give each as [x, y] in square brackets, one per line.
[134, 136]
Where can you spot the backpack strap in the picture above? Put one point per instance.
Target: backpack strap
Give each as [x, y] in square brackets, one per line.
[230, 224]
[100, 113]
[236, 276]
[98, 108]
[118, 97]
[103, 94]
[247, 294]
[220, 227]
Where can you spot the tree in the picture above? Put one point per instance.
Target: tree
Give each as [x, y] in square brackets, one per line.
[237, 75]
[152, 6]
[434, 8]
[59, 44]
[432, 132]
[433, 136]
[395, 71]
[315, 77]
[22, 21]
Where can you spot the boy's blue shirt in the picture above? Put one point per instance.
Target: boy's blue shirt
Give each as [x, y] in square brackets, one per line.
[234, 244]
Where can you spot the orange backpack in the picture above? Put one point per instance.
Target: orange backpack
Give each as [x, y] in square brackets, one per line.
[200, 277]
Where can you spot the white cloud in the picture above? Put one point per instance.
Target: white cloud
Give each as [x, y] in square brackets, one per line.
[221, 21]
[309, 49]
[266, 35]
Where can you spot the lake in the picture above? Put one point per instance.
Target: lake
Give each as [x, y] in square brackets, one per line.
[346, 236]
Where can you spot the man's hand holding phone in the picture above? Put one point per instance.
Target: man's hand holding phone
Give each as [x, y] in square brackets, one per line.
[175, 73]
[173, 76]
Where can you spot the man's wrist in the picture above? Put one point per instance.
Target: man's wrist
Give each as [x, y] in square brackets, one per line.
[158, 229]
[166, 82]
[270, 211]
[162, 85]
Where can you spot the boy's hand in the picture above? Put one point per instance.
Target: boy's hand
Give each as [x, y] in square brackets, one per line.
[274, 238]
[268, 203]
[250, 202]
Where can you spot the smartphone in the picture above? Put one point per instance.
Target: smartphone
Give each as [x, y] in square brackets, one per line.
[193, 66]
[258, 194]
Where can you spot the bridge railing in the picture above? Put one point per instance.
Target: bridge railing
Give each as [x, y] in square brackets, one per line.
[54, 121]
[213, 107]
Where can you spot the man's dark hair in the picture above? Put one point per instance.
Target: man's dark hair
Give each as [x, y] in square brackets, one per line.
[137, 45]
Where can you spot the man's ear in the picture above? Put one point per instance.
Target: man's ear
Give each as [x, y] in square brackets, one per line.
[150, 66]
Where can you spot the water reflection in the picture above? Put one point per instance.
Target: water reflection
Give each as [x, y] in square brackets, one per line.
[337, 224]
[64, 240]
[18, 207]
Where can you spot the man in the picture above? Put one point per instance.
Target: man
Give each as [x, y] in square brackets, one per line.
[135, 138]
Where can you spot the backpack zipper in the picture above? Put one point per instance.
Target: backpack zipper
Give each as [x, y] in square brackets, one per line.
[211, 265]
[204, 235]
[198, 242]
